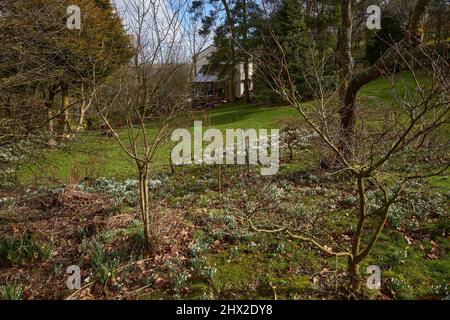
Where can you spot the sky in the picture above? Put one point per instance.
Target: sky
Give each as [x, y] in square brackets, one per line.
[157, 21]
[162, 12]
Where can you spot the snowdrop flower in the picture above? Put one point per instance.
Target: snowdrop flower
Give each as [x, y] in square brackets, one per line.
[154, 183]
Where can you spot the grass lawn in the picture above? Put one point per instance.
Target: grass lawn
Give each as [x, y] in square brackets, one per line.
[97, 155]
[94, 155]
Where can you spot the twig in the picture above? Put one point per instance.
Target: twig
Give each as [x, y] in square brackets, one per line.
[318, 245]
[273, 290]
[79, 290]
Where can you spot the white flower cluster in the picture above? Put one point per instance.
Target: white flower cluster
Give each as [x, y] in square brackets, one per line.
[117, 190]
[155, 183]
[6, 201]
[7, 155]
[297, 137]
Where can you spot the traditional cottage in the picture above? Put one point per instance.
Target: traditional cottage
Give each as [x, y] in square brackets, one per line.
[209, 86]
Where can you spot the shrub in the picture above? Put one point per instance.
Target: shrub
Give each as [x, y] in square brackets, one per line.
[19, 250]
[104, 267]
[11, 291]
[94, 123]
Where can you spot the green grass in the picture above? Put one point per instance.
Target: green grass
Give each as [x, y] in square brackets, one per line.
[11, 291]
[20, 250]
[407, 269]
[383, 90]
[94, 155]
[259, 264]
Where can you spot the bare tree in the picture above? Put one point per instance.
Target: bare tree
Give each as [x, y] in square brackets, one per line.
[149, 94]
[396, 144]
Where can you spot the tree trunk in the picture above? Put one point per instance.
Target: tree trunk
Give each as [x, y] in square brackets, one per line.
[308, 8]
[84, 107]
[247, 81]
[347, 112]
[145, 209]
[49, 105]
[232, 49]
[350, 84]
[64, 116]
[344, 63]
[233, 76]
[81, 118]
[193, 72]
[246, 60]
[355, 275]
[356, 258]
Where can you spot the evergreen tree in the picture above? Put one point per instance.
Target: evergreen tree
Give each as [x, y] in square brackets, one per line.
[39, 52]
[391, 32]
[230, 23]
